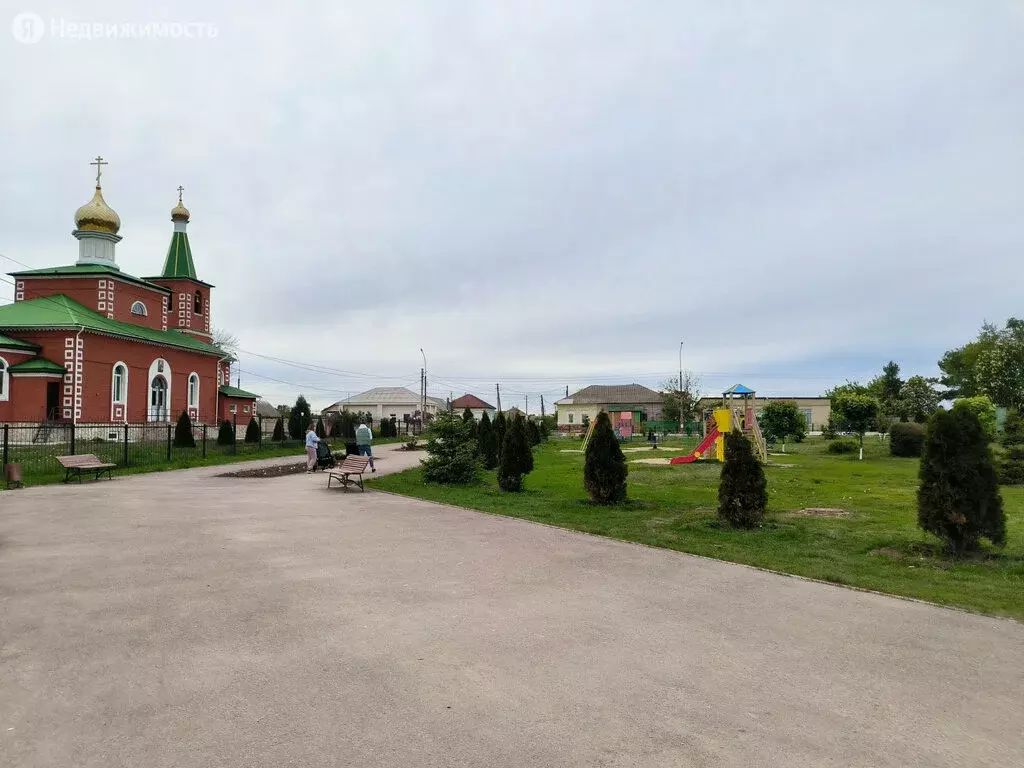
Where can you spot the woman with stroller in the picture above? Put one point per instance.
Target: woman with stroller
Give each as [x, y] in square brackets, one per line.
[311, 441]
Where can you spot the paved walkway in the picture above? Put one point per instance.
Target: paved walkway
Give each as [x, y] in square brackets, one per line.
[183, 619]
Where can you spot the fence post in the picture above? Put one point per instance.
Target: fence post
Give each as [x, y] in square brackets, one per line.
[126, 445]
[234, 433]
[7, 451]
[72, 438]
[169, 433]
[204, 441]
[260, 422]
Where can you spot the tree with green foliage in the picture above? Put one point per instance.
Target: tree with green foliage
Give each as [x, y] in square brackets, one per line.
[533, 432]
[958, 499]
[743, 489]
[278, 436]
[545, 428]
[299, 419]
[918, 399]
[516, 457]
[858, 413]
[500, 428]
[681, 399]
[451, 452]
[1011, 464]
[253, 433]
[992, 364]
[183, 437]
[983, 409]
[226, 434]
[907, 439]
[781, 419]
[604, 467]
[320, 431]
[487, 442]
[467, 416]
[585, 422]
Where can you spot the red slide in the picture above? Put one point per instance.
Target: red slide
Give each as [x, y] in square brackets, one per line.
[705, 444]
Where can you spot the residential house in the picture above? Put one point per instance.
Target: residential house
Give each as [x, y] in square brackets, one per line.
[385, 402]
[476, 406]
[618, 400]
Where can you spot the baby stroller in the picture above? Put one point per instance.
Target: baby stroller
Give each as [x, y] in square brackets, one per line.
[324, 457]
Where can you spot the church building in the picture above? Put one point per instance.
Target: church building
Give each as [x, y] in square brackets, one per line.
[90, 344]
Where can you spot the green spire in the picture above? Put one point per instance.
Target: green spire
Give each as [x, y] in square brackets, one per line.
[179, 258]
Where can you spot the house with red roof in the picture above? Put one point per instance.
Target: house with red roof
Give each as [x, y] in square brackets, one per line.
[476, 406]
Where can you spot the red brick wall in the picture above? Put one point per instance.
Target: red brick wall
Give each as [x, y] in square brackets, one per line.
[23, 393]
[109, 296]
[182, 315]
[241, 404]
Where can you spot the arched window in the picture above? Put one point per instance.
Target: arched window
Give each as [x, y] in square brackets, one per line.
[5, 380]
[197, 304]
[119, 388]
[138, 308]
[193, 390]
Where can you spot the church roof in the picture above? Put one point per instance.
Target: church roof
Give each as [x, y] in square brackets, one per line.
[38, 365]
[179, 258]
[89, 270]
[58, 311]
[6, 342]
[229, 391]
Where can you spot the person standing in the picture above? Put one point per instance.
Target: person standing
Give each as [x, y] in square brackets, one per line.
[364, 438]
[311, 441]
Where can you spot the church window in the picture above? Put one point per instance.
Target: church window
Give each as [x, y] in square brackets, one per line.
[138, 308]
[5, 380]
[193, 390]
[197, 304]
[120, 386]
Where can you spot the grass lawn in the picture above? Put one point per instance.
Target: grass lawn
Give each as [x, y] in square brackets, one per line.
[876, 546]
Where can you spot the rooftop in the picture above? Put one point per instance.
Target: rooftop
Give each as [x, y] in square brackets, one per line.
[602, 394]
[89, 270]
[471, 401]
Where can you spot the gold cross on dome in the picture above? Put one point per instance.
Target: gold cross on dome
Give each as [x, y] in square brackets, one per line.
[99, 162]
[180, 190]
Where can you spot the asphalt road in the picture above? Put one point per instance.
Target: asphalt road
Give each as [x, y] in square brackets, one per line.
[182, 619]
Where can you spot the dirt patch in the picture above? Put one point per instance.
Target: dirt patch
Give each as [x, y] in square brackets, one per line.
[278, 470]
[820, 512]
[650, 461]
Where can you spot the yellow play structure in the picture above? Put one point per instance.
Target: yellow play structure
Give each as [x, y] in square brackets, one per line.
[737, 410]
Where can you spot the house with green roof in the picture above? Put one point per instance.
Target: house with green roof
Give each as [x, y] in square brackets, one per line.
[90, 344]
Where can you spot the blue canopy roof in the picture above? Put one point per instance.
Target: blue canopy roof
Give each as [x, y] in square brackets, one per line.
[738, 389]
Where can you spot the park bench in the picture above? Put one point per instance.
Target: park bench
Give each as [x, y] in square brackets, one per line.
[352, 465]
[74, 466]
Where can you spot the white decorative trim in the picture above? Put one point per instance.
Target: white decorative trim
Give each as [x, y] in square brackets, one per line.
[121, 404]
[5, 380]
[35, 375]
[165, 373]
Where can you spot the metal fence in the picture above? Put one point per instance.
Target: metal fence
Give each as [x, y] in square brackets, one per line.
[35, 447]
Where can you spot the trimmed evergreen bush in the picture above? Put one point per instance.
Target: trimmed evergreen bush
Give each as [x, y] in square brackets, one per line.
[533, 432]
[253, 431]
[299, 419]
[516, 457]
[467, 416]
[843, 445]
[604, 468]
[958, 499]
[906, 438]
[500, 428]
[1011, 465]
[183, 437]
[226, 434]
[451, 452]
[278, 436]
[335, 430]
[320, 431]
[743, 490]
[487, 442]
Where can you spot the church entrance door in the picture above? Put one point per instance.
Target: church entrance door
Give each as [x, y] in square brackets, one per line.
[158, 399]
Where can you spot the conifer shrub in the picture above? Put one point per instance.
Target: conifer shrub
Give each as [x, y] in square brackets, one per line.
[278, 436]
[451, 452]
[533, 432]
[906, 439]
[843, 445]
[335, 430]
[1011, 465]
[299, 419]
[467, 416]
[253, 432]
[516, 457]
[320, 431]
[487, 442]
[604, 468]
[183, 437]
[226, 434]
[500, 428]
[958, 499]
[743, 490]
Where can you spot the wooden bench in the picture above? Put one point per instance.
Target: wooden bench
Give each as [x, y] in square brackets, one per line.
[352, 465]
[76, 465]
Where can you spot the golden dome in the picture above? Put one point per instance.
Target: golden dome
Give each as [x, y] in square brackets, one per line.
[179, 212]
[97, 216]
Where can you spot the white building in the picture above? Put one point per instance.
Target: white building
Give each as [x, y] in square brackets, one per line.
[476, 406]
[385, 402]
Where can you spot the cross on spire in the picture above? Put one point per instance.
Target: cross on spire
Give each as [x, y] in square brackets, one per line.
[180, 190]
[99, 162]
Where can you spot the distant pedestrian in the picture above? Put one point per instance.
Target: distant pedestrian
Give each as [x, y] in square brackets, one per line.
[311, 441]
[364, 437]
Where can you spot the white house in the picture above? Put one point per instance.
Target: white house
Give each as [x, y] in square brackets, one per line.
[476, 406]
[385, 402]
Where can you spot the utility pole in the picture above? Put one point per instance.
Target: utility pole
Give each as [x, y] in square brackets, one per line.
[451, 396]
[527, 405]
[566, 390]
[423, 402]
[497, 388]
[680, 384]
[421, 393]
[542, 406]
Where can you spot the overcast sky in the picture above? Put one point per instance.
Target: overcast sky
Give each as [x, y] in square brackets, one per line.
[546, 194]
